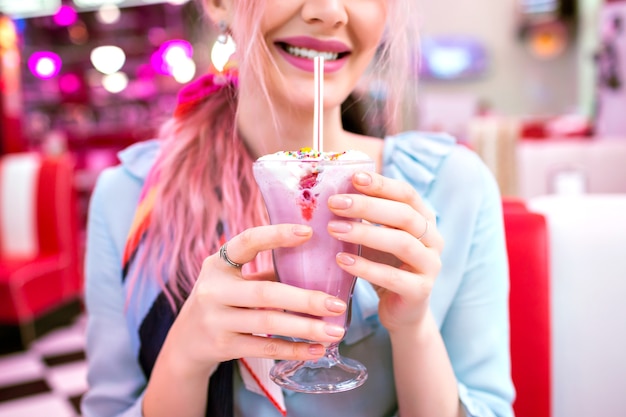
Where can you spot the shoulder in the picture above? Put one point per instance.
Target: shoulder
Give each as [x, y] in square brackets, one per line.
[448, 175]
[138, 159]
[427, 159]
[465, 173]
[118, 188]
[135, 164]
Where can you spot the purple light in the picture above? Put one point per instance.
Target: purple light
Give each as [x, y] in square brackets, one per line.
[65, 16]
[452, 57]
[161, 59]
[45, 64]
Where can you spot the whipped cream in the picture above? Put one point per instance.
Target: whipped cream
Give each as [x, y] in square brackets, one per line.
[308, 154]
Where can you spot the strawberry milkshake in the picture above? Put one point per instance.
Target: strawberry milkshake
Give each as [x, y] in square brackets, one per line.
[296, 187]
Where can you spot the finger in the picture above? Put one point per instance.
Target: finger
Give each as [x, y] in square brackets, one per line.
[269, 275]
[272, 348]
[395, 214]
[376, 185]
[409, 285]
[279, 323]
[270, 294]
[245, 246]
[401, 244]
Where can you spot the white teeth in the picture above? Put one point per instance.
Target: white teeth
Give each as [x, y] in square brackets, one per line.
[311, 53]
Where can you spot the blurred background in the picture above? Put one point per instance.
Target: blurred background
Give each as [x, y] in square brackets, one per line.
[535, 87]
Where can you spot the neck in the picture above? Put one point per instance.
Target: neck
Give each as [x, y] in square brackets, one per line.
[292, 129]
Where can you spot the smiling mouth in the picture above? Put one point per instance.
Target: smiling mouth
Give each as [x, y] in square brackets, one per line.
[310, 53]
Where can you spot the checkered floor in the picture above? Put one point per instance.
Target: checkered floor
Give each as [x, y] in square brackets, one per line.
[48, 379]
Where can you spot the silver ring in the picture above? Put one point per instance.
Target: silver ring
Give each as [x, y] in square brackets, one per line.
[225, 258]
[425, 230]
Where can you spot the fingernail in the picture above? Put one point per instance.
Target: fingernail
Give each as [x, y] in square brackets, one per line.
[333, 330]
[339, 226]
[339, 202]
[345, 259]
[363, 178]
[335, 305]
[316, 350]
[301, 230]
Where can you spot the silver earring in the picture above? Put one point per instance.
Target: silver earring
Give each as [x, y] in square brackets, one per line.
[223, 48]
[223, 35]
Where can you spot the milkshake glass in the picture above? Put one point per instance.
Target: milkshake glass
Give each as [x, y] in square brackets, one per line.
[296, 187]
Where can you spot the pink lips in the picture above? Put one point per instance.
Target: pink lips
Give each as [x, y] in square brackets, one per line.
[306, 64]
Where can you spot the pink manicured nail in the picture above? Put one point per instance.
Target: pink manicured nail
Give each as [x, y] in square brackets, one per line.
[316, 350]
[333, 330]
[363, 178]
[339, 202]
[345, 259]
[335, 305]
[339, 226]
[301, 230]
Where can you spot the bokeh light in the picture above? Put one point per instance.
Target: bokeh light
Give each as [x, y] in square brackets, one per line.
[78, 33]
[449, 62]
[45, 64]
[184, 71]
[8, 33]
[170, 55]
[65, 16]
[108, 14]
[157, 35]
[70, 83]
[11, 59]
[115, 83]
[108, 59]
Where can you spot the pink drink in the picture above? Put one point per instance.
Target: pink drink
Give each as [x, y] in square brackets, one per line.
[296, 187]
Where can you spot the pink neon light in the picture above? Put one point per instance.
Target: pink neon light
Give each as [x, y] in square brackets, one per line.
[45, 64]
[65, 16]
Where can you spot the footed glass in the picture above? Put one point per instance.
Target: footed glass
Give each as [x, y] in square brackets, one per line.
[297, 191]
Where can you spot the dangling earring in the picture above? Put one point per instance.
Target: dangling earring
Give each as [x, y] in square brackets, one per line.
[223, 35]
[223, 48]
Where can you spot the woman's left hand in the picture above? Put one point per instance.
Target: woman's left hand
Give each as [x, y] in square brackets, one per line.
[401, 246]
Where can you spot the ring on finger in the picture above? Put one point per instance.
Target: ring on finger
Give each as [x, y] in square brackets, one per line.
[425, 230]
[225, 258]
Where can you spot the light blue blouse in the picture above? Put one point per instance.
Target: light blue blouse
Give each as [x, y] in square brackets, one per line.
[469, 300]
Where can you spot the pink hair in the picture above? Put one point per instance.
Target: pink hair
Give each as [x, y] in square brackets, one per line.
[205, 170]
[205, 180]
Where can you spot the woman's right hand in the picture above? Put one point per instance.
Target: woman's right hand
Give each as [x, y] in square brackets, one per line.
[227, 309]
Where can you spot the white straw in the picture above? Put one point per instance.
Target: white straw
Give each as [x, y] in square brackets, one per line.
[318, 111]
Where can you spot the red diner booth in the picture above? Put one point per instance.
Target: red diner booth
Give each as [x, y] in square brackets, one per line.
[529, 305]
[40, 262]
